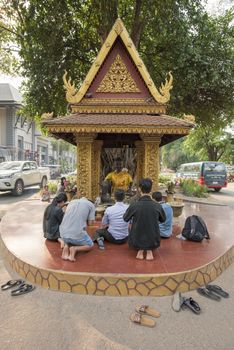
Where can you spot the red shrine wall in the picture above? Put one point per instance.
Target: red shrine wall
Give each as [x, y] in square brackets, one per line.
[119, 48]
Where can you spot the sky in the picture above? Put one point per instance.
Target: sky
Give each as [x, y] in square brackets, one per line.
[212, 7]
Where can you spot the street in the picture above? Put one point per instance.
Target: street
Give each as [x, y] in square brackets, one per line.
[226, 195]
[7, 199]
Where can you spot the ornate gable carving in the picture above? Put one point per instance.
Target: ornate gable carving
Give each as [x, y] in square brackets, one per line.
[118, 79]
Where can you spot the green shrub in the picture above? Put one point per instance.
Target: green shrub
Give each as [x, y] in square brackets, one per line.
[192, 188]
[164, 179]
[52, 187]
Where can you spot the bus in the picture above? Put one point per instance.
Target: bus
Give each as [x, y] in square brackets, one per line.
[211, 174]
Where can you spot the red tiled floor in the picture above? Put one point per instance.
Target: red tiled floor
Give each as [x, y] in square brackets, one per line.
[21, 232]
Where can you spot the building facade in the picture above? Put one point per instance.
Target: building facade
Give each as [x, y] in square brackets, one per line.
[20, 139]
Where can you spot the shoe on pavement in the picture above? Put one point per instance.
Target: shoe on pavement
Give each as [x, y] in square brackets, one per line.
[177, 301]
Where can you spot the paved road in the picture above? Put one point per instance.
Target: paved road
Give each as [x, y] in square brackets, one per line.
[226, 195]
[7, 199]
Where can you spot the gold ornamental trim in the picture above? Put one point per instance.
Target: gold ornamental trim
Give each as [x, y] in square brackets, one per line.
[118, 79]
[161, 95]
[118, 101]
[118, 109]
[117, 129]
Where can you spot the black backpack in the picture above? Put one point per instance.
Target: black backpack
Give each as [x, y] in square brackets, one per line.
[195, 229]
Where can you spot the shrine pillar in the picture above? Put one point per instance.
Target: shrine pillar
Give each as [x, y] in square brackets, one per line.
[140, 160]
[96, 168]
[151, 165]
[84, 164]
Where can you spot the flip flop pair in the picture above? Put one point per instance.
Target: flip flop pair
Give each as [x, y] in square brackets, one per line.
[12, 283]
[139, 316]
[213, 292]
[179, 302]
[24, 289]
[191, 304]
[217, 290]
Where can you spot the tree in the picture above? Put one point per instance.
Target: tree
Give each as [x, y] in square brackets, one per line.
[8, 48]
[170, 35]
[209, 143]
[175, 154]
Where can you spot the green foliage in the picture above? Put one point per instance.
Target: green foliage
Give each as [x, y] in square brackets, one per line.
[210, 143]
[175, 154]
[8, 49]
[164, 179]
[171, 35]
[52, 187]
[192, 188]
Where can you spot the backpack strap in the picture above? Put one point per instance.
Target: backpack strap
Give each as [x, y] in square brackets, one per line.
[202, 222]
[193, 223]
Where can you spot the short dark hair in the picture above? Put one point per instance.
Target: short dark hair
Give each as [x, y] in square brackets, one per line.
[119, 194]
[157, 196]
[61, 197]
[146, 185]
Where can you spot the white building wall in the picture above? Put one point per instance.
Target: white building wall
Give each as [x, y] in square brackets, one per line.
[2, 126]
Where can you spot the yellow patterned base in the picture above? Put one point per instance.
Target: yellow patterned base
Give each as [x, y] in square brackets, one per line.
[117, 284]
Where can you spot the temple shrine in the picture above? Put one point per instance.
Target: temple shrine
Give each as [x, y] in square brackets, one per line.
[117, 104]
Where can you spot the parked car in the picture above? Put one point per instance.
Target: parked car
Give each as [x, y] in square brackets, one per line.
[55, 170]
[16, 175]
[211, 174]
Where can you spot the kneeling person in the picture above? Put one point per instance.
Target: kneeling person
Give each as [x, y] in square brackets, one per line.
[114, 228]
[165, 227]
[79, 213]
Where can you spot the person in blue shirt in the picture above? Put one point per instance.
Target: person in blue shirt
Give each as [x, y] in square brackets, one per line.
[166, 226]
[114, 228]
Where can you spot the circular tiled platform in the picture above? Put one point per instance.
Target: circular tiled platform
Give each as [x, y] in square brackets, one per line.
[179, 265]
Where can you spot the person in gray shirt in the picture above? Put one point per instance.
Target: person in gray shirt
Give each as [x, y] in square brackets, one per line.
[79, 214]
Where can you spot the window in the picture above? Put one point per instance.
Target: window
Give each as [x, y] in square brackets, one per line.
[26, 166]
[33, 165]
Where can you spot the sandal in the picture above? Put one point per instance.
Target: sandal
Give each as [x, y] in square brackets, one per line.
[217, 290]
[12, 283]
[26, 288]
[100, 242]
[146, 310]
[192, 305]
[208, 294]
[177, 301]
[142, 320]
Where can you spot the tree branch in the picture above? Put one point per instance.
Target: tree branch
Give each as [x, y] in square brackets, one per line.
[11, 31]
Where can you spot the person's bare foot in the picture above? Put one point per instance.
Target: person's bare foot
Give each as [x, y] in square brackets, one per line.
[149, 255]
[62, 244]
[140, 255]
[65, 253]
[72, 254]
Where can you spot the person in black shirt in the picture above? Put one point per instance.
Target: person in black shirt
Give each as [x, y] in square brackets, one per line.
[52, 219]
[145, 214]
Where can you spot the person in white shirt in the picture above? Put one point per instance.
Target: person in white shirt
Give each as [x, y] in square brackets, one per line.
[114, 228]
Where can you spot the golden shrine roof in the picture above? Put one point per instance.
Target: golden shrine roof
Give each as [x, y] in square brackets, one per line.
[118, 119]
[120, 77]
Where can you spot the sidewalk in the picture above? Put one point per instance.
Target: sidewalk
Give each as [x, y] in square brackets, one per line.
[46, 319]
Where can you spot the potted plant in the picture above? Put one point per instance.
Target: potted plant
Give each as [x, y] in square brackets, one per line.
[177, 205]
[170, 191]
